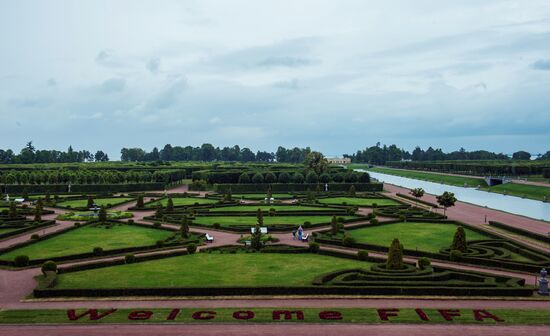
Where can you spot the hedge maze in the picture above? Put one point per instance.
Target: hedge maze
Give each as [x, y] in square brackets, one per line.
[158, 251]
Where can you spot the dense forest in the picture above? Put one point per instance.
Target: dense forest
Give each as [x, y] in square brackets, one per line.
[29, 154]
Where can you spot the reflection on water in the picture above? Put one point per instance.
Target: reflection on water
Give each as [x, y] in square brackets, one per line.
[517, 205]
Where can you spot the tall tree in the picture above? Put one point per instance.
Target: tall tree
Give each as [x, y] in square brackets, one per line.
[446, 200]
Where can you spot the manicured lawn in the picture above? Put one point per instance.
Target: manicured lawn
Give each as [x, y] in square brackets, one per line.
[356, 201]
[251, 220]
[182, 201]
[265, 208]
[261, 196]
[459, 181]
[265, 315]
[429, 237]
[84, 239]
[522, 190]
[90, 215]
[212, 270]
[82, 203]
[2, 230]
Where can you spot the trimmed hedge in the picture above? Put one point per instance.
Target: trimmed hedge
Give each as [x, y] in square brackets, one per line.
[421, 201]
[83, 188]
[25, 229]
[533, 235]
[296, 187]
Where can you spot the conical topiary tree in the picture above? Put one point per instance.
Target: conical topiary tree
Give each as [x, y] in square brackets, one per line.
[140, 203]
[260, 217]
[102, 215]
[90, 202]
[170, 205]
[334, 225]
[459, 240]
[159, 212]
[184, 227]
[395, 255]
[12, 213]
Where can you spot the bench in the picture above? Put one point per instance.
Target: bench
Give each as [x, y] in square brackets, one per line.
[209, 238]
[263, 230]
[305, 238]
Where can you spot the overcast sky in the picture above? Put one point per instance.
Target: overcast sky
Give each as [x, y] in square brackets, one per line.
[333, 75]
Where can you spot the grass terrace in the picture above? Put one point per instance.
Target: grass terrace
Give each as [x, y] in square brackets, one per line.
[227, 221]
[182, 201]
[266, 208]
[101, 202]
[521, 190]
[358, 201]
[212, 270]
[429, 237]
[84, 239]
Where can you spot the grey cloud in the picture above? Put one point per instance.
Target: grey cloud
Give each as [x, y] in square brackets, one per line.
[285, 61]
[34, 102]
[113, 85]
[170, 95]
[153, 65]
[52, 82]
[542, 64]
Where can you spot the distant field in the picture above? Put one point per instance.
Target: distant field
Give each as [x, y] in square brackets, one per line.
[458, 181]
[522, 190]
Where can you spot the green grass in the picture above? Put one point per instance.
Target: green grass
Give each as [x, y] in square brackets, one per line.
[521, 190]
[265, 208]
[181, 201]
[356, 201]
[82, 203]
[458, 181]
[226, 221]
[86, 215]
[261, 196]
[84, 239]
[429, 237]
[212, 270]
[264, 315]
[2, 230]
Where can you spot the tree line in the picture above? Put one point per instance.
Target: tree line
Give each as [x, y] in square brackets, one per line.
[207, 152]
[29, 154]
[379, 155]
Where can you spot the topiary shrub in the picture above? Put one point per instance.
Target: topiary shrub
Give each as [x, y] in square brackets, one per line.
[216, 225]
[77, 224]
[455, 255]
[49, 266]
[395, 255]
[362, 255]
[129, 258]
[130, 221]
[347, 240]
[459, 240]
[423, 263]
[35, 236]
[314, 247]
[157, 224]
[191, 248]
[159, 243]
[21, 261]
[373, 221]
[97, 251]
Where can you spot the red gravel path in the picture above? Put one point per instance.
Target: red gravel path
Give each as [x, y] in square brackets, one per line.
[275, 330]
[475, 215]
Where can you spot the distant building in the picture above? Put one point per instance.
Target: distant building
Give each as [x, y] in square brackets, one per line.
[338, 160]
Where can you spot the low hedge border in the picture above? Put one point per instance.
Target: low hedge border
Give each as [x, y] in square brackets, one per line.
[26, 229]
[246, 228]
[529, 234]
[83, 188]
[421, 201]
[295, 187]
